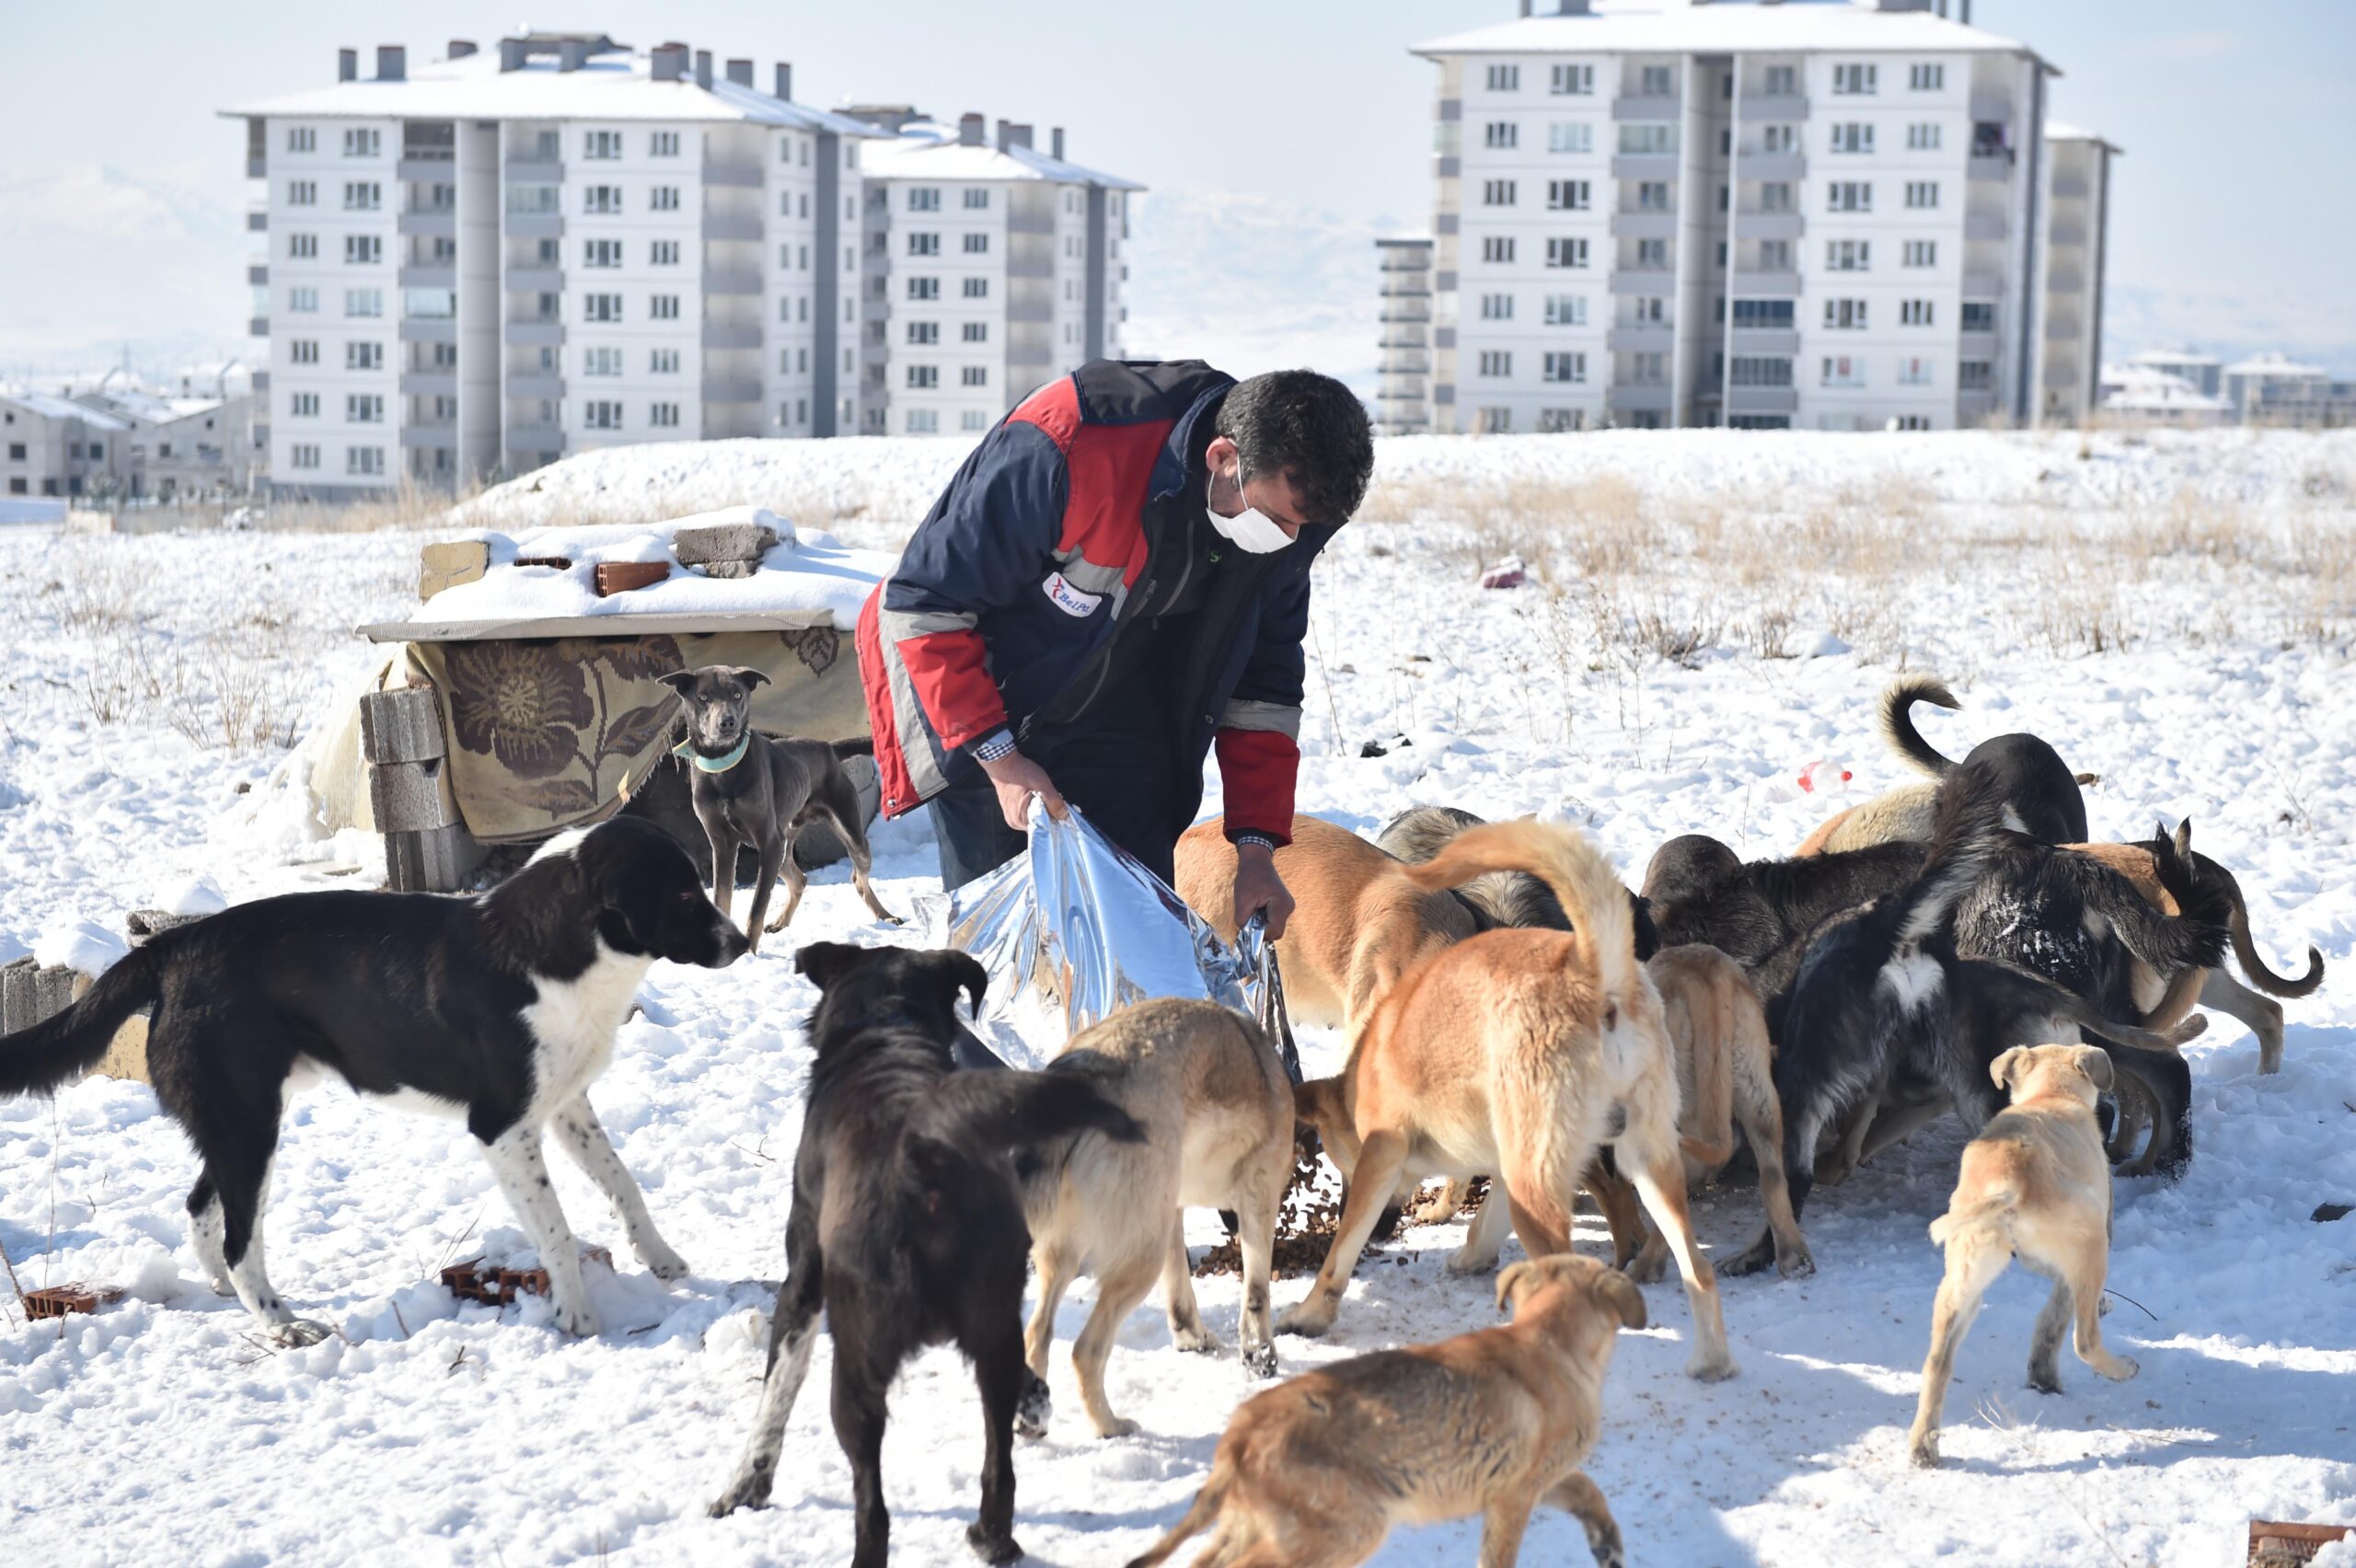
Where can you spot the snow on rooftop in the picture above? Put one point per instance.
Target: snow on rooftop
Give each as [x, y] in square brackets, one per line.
[617, 83]
[2148, 389]
[2275, 363]
[1673, 26]
[55, 408]
[929, 149]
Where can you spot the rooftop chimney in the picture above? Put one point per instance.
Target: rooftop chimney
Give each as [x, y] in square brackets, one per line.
[1574, 8]
[461, 46]
[703, 69]
[510, 53]
[1525, 7]
[741, 73]
[969, 129]
[572, 53]
[785, 80]
[1055, 142]
[347, 65]
[392, 63]
[670, 62]
[1018, 135]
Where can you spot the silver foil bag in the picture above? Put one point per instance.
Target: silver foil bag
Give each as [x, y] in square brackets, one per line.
[1075, 929]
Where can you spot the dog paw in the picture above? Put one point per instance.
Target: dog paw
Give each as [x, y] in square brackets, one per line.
[1034, 1409]
[1116, 1426]
[1196, 1341]
[743, 1495]
[990, 1546]
[1304, 1320]
[1795, 1264]
[1465, 1260]
[1649, 1267]
[1924, 1453]
[295, 1332]
[1261, 1361]
[663, 1262]
[2044, 1380]
[1751, 1258]
[580, 1320]
[2121, 1368]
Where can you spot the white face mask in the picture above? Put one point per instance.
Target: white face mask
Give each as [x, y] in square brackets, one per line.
[1250, 530]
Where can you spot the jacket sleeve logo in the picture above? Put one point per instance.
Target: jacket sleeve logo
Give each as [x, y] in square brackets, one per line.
[1068, 599]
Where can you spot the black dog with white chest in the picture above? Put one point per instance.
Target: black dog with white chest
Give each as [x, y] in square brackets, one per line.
[500, 1009]
[906, 1227]
[752, 792]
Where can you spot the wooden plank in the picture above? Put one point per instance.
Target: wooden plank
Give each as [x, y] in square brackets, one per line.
[621, 623]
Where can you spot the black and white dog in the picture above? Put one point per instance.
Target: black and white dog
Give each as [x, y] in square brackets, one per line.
[500, 1008]
[906, 1227]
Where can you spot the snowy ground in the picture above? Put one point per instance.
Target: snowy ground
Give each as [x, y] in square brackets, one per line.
[1706, 618]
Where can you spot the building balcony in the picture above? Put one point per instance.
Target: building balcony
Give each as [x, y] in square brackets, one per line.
[258, 273]
[1405, 362]
[429, 277]
[2070, 186]
[536, 439]
[2062, 328]
[732, 174]
[535, 384]
[731, 335]
[1417, 288]
[1641, 338]
[534, 171]
[419, 168]
[1031, 222]
[257, 166]
[1985, 226]
[1420, 262]
[1638, 398]
[431, 224]
[1407, 315]
[1644, 226]
[1988, 166]
[1984, 285]
[1448, 167]
[1643, 281]
[429, 437]
[732, 389]
[1762, 400]
[1637, 105]
[731, 225]
[531, 334]
[428, 330]
[2066, 233]
[1992, 109]
[261, 381]
[1759, 107]
[429, 383]
[1769, 341]
[1783, 166]
[257, 327]
[1643, 165]
[1767, 284]
[1978, 402]
[1976, 345]
[257, 220]
[535, 279]
[2065, 283]
[534, 225]
[1783, 224]
[731, 281]
[2061, 376]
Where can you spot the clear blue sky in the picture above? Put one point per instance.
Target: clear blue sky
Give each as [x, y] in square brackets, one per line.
[2236, 189]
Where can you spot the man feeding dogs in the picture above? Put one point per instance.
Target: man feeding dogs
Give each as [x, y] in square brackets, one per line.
[1116, 582]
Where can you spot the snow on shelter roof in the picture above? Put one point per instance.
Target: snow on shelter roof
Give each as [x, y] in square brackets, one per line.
[1676, 26]
[927, 149]
[614, 83]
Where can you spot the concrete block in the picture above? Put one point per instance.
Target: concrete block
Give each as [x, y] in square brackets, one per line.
[30, 994]
[145, 923]
[438, 860]
[447, 564]
[731, 568]
[402, 725]
[727, 541]
[409, 797]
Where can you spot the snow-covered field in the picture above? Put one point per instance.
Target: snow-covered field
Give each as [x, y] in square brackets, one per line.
[1706, 616]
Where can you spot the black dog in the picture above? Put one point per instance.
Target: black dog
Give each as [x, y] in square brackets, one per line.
[500, 1009]
[752, 792]
[906, 1225]
[2030, 774]
[1765, 914]
[1497, 900]
[1884, 997]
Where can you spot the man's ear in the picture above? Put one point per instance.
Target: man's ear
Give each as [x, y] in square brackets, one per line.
[952, 971]
[825, 963]
[681, 681]
[2095, 1063]
[750, 676]
[2003, 1067]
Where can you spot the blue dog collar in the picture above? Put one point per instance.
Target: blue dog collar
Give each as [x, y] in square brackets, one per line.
[714, 764]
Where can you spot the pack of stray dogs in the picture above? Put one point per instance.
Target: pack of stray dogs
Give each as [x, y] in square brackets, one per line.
[1515, 1013]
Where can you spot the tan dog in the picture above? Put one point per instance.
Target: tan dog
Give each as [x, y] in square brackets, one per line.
[2035, 1184]
[1315, 1473]
[1518, 1054]
[1357, 923]
[1208, 1088]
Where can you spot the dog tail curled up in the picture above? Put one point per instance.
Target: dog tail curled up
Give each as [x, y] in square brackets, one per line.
[1898, 700]
[1991, 1207]
[1573, 867]
[58, 1050]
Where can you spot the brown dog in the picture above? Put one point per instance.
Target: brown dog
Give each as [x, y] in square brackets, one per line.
[2035, 1184]
[1208, 1088]
[1521, 1054]
[1315, 1473]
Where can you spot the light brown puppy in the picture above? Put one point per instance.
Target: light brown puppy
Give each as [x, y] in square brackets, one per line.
[1357, 923]
[1315, 1473]
[1522, 1054]
[1208, 1089]
[2035, 1184]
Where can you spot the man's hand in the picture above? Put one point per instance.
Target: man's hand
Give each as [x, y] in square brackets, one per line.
[1016, 779]
[1257, 888]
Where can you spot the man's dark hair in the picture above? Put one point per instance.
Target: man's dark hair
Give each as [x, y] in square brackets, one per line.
[1311, 429]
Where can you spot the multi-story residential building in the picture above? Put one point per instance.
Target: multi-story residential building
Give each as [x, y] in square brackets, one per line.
[181, 447]
[1403, 388]
[561, 243]
[2204, 372]
[2274, 390]
[2077, 214]
[1658, 212]
[54, 447]
[2145, 395]
[989, 268]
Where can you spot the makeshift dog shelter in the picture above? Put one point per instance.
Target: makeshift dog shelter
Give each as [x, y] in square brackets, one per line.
[525, 698]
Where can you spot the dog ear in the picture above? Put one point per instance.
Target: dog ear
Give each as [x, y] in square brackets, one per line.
[1316, 1101]
[1622, 1292]
[2095, 1063]
[750, 676]
[2184, 837]
[1510, 1282]
[2003, 1067]
[953, 971]
[681, 681]
[827, 962]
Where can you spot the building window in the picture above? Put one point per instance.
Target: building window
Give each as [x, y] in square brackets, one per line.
[1914, 371]
[1655, 80]
[604, 307]
[304, 455]
[924, 245]
[1560, 421]
[364, 407]
[663, 307]
[602, 147]
[1645, 139]
[977, 244]
[303, 406]
[600, 414]
[663, 144]
[1762, 315]
[1780, 139]
[1853, 136]
[973, 418]
[1494, 421]
[1652, 256]
[302, 246]
[1563, 367]
[976, 332]
[1504, 78]
[1652, 196]
[1649, 312]
[1850, 196]
[976, 198]
[364, 302]
[1843, 370]
[360, 143]
[1775, 196]
[1567, 195]
[924, 288]
[1848, 255]
[664, 253]
[1496, 308]
[601, 253]
[1501, 133]
[663, 198]
[662, 416]
[924, 198]
[363, 196]
[1922, 137]
[1774, 255]
[302, 302]
[1910, 421]
[1979, 316]
[1496, 192]
[974, 375]
[1749, 370]
[363, 250]
[1928, 78]
[303, 351]
[1496, 363]
[1498, 249]
[1920, 253]
[1914, 313]
[602, 201]
[1570, 136]
[302, 193]
[1572, 81]
[1853, 81]
[362, 355]
[1922, 194]
[924, 332]
[1566, 310]
[664, 362]
[1975, 375]
[924, 421]
[1648, 369]
[1783, 81]
[923, 378]
[601, 362]
[302, 139]
[1845, 315]
[977, 288]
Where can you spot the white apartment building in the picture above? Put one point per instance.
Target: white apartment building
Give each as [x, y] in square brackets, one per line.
[2077, 213]
[990, 268]
[1824, 213]
[563, 243]
[1402, 396]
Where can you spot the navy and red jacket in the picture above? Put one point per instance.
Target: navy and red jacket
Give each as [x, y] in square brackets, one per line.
[1002, 609]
